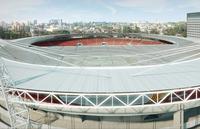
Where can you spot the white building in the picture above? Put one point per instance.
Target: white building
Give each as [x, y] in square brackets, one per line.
[193, 25]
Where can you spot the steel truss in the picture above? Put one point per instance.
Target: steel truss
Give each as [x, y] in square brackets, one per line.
[18, 113]
[110, 103]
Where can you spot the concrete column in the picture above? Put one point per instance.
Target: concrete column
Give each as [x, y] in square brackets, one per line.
[179, 118]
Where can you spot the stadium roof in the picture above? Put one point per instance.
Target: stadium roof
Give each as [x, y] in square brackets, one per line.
[91, 69]
[124, 79]
[99, 56]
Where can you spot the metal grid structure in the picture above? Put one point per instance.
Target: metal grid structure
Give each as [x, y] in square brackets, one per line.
[18, 113]
[109, 104]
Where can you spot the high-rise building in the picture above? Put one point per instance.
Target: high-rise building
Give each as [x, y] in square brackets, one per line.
[193, 25]
[56, 22]
[35, 22]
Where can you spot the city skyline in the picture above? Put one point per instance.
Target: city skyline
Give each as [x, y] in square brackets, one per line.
[97, 10]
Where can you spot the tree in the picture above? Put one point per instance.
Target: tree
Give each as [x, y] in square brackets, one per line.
[1, 32]
[178, 29]
[154, 31]
[127, 29]
[181, 29]
[169, 31]
[137, 29]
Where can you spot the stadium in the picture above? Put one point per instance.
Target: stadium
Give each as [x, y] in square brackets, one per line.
[96, 81]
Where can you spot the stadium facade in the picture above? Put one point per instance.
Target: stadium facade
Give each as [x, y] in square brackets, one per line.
[102, 80]
[193, 25]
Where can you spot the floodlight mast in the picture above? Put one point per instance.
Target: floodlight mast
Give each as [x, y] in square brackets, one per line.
[18, 113]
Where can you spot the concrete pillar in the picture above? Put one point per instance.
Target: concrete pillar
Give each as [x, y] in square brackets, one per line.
[179, 118]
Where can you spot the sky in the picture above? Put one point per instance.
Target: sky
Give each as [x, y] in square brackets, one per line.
[97, 10]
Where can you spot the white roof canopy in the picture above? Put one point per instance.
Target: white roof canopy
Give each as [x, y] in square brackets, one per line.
[107, 79]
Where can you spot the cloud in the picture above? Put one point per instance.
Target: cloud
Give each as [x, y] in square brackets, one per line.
[15, 8]
[13, 5]
[160, 6]
[112, 9]
[154, 6]
[106, 5]
[140, 3]
[189, 4]
[96, 10]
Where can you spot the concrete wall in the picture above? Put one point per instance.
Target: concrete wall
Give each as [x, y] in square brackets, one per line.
[59, 121]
